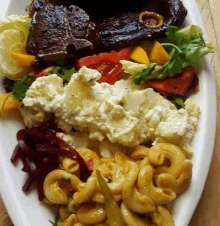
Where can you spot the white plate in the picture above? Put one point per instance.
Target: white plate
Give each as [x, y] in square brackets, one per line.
[26, 210]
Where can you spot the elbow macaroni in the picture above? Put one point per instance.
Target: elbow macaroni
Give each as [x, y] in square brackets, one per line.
[141, 183]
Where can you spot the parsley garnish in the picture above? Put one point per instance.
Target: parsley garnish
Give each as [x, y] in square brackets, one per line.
[66, 180]
[63, 72]
[20, 87]
[57, 216]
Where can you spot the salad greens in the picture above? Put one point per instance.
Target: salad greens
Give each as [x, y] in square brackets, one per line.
[21, 86]
[177, 100]
[185, 46]
[63, 72]
[113, 211]
[140, 76]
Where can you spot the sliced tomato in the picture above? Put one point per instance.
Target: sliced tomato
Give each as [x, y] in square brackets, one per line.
[111, 74]
[178, 84]
[106, 63]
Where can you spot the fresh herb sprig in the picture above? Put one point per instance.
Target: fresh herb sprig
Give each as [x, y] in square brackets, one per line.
[185, 46]
[138, 77]
[21, 86]
[63, 72]
[57, 216]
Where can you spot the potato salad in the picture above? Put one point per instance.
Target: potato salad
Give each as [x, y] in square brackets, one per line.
[122, 113]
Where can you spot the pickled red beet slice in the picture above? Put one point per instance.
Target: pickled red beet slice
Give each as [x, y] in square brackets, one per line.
[39, 149]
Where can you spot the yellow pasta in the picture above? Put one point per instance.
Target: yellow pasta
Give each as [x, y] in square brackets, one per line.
[141, 183]
[180, 167]
[146, 187]
[86, 191]
[91, 214]
[71, 220]
[162, 217]
[87, 155]
[132, 219]
[70, 165]
[135, 201]
[57, 185]
[64, 213]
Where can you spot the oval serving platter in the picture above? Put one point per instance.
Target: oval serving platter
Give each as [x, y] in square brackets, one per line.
[25, 209]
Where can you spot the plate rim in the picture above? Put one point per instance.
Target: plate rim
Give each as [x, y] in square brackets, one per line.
[16, 213]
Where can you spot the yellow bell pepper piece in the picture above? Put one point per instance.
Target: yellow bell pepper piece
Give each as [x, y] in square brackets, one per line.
[158, 54]
[21, 59]
[139, 55]
[7, 103]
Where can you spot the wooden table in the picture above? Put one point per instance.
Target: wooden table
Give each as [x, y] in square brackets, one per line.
[208, 209]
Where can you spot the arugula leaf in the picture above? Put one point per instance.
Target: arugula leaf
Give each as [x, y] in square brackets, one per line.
[63, 72]
[177, 100]
[20, 87]
[57, 216]
[174, 65]
[190, 41]
[138, 77]
[185, 46]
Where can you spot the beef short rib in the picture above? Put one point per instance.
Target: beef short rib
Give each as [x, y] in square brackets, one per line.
[123, 29]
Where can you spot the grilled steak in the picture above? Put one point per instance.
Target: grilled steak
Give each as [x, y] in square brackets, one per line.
[61, 30]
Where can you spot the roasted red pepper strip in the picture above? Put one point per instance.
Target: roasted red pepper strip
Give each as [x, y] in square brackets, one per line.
[178, 84]
[40, 73]
[106, 63]
[90, 164]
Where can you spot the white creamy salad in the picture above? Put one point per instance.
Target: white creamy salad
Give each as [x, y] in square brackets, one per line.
[121, 113]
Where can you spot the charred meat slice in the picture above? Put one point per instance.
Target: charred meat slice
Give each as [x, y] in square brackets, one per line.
[36, 5]
[124, 29]
[60, 32]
